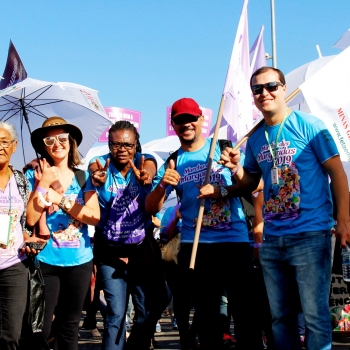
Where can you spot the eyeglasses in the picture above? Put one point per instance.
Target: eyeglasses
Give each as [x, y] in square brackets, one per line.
[61, 138]
[118, 145]
[185, 118]
[270, 87]
[6, 144]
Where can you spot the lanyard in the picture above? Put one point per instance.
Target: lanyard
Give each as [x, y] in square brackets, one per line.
[273, 152]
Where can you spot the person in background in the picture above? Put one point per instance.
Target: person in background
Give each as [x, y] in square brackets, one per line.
[62, 214]
[14, 194]
[294, 153]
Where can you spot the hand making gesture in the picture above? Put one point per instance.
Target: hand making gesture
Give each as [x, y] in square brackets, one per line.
[142, 175]
[99, 172]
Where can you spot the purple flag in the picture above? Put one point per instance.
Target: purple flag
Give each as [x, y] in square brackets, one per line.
[237, 94]
[14, 71]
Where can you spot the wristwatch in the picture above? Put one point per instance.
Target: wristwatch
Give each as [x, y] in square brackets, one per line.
[223, 192]
[65, 203]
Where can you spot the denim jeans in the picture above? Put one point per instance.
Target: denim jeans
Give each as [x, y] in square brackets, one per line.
[113, 279]
[298, 265]
[13, 300]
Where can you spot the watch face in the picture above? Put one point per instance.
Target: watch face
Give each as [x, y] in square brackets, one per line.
[223, 191]
[68, 205]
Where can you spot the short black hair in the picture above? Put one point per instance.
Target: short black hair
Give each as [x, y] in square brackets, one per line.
[126, 125]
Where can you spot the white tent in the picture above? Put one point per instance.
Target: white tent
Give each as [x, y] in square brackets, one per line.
[162, 147]
[296, 77]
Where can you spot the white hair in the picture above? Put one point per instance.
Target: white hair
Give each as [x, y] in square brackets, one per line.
[10, 128]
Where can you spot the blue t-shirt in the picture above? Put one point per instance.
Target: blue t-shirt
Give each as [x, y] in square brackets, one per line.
[301, 200]
[115, 181]
[69, 244]
[223, 219]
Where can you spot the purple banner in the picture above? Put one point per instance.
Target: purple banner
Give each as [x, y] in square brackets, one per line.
[14, 71]
[207, 113]
[115, 114]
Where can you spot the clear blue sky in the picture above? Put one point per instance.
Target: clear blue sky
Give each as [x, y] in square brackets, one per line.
[145, 54]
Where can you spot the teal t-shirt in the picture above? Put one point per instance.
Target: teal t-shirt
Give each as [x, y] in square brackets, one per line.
[69, 244]
[223, 219]
[301, 200]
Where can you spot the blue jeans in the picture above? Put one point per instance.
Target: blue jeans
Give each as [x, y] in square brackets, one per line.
[13, 300]
[298, 265]
[113, 279]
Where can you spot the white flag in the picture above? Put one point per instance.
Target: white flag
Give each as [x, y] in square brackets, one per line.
[238, 102]
[327, 94]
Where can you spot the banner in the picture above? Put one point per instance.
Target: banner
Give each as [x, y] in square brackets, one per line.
[115, 114]
[14, 71]
[327, 95]
[207, 113]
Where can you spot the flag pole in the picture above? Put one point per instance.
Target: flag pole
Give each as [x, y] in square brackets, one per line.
[206, 181]
[273, 34]
[210, 161]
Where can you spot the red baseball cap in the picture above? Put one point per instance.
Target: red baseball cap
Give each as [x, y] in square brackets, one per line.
[185, 106]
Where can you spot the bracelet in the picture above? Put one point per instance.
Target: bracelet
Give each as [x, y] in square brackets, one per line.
[41, 190]
[42, 199]
[257, 245]
[233, 173]
[162, 186]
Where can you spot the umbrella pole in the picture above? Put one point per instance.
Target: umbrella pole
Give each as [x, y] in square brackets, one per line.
[25, 115]
[206, 180]
[207, 174]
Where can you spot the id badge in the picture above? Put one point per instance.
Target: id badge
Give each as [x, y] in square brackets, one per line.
[4, 232]
[274, 175]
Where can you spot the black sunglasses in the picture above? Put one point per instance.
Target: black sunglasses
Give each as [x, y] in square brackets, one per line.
[185, 118]
[270, 87]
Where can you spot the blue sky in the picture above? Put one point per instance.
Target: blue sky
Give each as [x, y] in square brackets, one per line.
[145, 54]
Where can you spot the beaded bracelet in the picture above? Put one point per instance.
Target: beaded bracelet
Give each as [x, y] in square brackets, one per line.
[162, 186]
[257, 245]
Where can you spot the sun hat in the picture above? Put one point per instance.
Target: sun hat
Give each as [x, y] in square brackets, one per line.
[185, 106]
[49, 124]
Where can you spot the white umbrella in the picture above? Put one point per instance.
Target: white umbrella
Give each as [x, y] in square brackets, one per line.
[163, 147]
[296, 77]
[32, 101]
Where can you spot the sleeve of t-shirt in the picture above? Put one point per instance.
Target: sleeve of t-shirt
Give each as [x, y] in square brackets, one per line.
[250, 163]
[322, 142]
[31, 179]
[88, 184]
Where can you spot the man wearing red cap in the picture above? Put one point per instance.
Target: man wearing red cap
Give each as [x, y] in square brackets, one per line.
[224, 260]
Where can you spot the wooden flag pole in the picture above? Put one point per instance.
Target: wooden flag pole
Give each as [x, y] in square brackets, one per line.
[210, 161]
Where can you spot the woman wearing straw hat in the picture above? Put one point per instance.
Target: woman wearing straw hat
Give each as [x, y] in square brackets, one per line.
[62, 203]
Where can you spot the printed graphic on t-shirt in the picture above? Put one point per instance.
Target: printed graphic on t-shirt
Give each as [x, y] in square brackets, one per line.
[219, 215]
[68, 237]
[284, 196]
[10, 249]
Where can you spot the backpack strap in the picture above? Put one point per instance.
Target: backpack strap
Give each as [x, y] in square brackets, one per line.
[80, 176]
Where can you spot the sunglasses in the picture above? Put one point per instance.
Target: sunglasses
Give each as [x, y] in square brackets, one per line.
[118, 145]
[61, 138]
[270, 87]
[185, 118]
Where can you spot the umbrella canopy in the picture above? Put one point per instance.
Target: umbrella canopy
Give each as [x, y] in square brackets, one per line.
[32, 101]
[296, 77]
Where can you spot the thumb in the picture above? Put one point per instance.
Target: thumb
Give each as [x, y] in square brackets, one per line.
[172, 164]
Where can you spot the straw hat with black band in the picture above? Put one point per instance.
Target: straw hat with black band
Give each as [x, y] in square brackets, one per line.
[51, 123]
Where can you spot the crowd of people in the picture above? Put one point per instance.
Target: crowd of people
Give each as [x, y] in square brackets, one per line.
[284, 172]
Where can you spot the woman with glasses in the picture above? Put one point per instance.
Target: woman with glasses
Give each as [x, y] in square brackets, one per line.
[62, 203]
[13, 263]
[125, 268]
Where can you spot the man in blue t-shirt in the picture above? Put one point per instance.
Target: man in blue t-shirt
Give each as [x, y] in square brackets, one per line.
[294, 153]
[224, 260]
